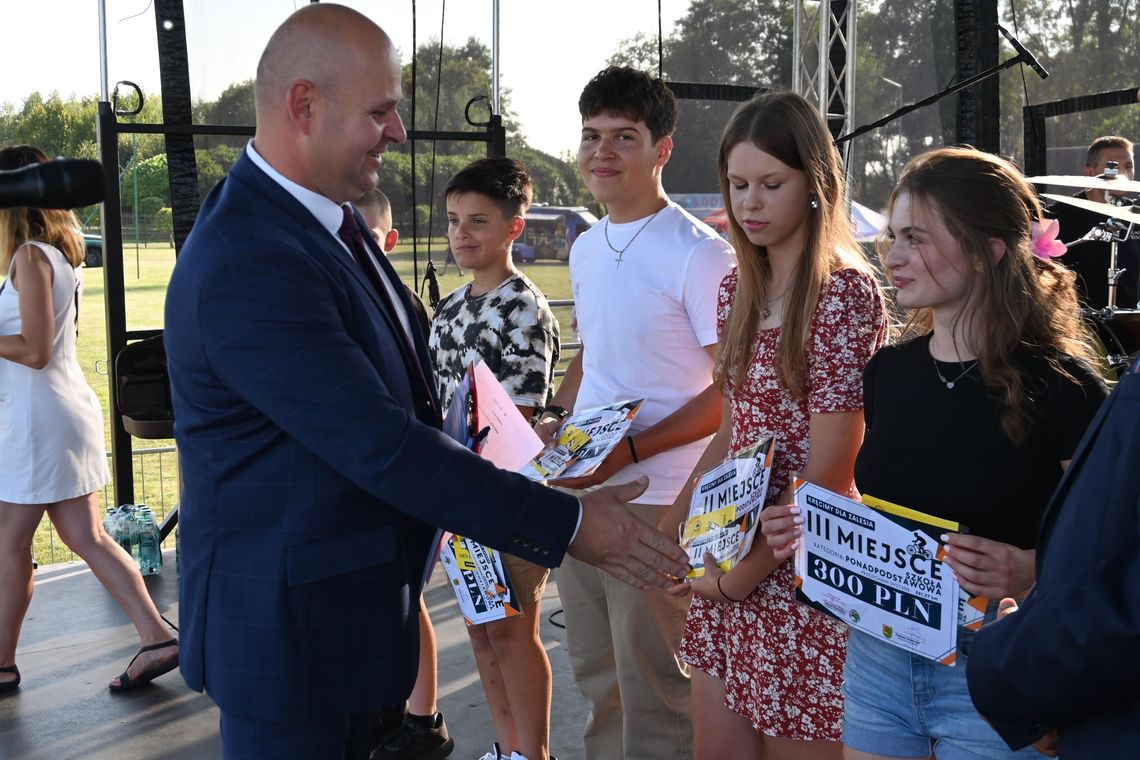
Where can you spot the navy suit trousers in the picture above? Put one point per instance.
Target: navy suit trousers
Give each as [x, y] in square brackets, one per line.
[251, 739]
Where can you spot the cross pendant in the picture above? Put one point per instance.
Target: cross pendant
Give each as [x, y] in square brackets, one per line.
[617, 260]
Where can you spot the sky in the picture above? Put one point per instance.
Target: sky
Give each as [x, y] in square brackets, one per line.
[549, 49]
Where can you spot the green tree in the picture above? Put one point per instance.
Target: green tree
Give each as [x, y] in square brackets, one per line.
[68, 128]
[152, 178]
[148, 208]
[423, 213]
[396, 182]
[904, 54]
[556, 181]
[234, 107]
[1088, 46]
[164, 222]
[58, 127]
[213, 164]
[140, 146]
[741, 42]
[749, 43]
[465, 74]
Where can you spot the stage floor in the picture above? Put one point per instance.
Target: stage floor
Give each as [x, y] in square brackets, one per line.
[75, 639]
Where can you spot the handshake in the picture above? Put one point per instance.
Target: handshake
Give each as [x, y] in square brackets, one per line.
[613, 539]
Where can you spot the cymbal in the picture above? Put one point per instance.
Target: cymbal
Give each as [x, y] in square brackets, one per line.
[1127, 213]
[1087, 183]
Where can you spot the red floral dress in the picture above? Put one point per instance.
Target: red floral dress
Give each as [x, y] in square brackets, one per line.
[781, 662]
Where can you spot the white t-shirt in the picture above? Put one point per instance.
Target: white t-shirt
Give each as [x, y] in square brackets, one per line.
[645, 325]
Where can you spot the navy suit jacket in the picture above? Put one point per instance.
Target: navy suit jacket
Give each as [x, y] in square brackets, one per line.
[1069, 658]
[313, 469]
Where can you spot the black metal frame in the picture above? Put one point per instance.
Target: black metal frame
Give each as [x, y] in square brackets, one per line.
[978, 116]
[1033, 120]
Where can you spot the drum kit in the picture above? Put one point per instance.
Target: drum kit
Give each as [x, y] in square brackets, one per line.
[1118, 328]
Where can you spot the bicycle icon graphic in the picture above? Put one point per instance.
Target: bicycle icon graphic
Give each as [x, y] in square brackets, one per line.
[917, 547]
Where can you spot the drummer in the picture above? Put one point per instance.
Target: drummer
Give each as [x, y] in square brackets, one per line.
[1090, 259]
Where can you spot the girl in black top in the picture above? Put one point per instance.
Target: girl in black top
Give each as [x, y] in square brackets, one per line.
[972, 421]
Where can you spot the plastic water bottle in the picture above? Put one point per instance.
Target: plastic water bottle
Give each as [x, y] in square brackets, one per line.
[133, 527]
[109, 522]
[131, 532]
[149, 542]
[119, 524]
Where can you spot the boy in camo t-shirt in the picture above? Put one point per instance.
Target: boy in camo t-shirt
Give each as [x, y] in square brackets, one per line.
[503, 319]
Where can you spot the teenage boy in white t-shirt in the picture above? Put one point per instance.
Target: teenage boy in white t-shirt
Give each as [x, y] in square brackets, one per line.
[645, 283]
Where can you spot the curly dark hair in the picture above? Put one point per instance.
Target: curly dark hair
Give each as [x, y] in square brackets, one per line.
[624, 91]
[503, 180]
[1019, 300]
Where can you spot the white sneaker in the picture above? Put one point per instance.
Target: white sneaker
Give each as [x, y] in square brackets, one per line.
[494, 754]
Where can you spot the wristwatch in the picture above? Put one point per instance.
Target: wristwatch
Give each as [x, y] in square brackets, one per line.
[555, 411]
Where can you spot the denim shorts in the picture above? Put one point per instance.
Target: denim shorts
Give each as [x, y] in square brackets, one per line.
[901, 705]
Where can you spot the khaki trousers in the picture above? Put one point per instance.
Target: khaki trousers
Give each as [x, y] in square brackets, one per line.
[623, 646]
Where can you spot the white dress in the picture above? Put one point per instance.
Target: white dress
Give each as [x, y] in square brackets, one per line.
[51, 425]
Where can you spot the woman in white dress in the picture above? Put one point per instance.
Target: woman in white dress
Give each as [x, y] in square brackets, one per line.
[52, 453]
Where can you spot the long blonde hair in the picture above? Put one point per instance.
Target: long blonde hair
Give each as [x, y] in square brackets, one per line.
[19, 225]
[785, 125]
[1018, 300]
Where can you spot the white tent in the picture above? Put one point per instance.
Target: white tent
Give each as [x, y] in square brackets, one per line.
[868, 224]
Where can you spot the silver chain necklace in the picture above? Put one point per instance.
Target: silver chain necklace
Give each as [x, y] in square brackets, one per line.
[767, 312]
[950, 383]
[621, 252]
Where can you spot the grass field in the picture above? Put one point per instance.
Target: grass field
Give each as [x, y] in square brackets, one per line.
[147, 272]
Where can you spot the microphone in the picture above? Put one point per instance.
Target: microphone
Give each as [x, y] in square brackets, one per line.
[1025, 56]
[64, 183]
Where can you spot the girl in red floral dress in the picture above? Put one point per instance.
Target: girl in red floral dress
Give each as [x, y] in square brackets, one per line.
[798, 319]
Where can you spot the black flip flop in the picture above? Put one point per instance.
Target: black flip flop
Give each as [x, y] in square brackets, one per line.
[10, 685]
[126, 683]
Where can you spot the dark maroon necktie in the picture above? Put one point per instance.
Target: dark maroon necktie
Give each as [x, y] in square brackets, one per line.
[350, 233]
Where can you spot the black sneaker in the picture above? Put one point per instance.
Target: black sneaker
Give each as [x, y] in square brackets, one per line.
[418, 738]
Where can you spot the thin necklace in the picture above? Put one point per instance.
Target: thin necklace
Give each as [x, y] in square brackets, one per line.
[621, 252]
[950, 383]
[767, 312]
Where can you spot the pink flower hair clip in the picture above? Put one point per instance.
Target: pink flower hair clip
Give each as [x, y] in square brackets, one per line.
[1045, 243]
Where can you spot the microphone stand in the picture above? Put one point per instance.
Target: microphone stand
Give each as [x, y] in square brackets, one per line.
[1111, 231]
[1113, 272]
[904, 110]
[1113, 276]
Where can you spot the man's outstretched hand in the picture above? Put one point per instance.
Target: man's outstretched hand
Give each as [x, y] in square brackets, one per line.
[613, 539]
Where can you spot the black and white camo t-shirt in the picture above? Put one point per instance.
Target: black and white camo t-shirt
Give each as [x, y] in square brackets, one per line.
[511, 328]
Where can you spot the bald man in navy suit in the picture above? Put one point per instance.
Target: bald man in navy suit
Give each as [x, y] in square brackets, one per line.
[314, 468]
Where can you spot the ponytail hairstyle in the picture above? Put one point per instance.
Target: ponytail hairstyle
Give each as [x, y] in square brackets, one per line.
[1016, 301]
[788, 127]
[55, 227]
